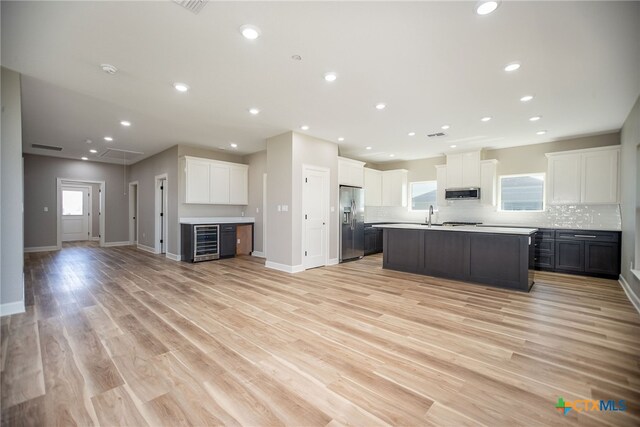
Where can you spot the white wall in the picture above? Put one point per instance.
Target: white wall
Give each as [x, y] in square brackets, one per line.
[11, 197]
[630, 177]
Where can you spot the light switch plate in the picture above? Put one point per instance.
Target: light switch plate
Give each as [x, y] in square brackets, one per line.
[46, 209]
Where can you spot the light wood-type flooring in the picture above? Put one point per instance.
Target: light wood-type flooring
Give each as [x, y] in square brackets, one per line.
[117, 336]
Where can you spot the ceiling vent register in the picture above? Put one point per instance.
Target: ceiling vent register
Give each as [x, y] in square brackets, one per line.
[194, 6]
[46, 147]
[433, 135]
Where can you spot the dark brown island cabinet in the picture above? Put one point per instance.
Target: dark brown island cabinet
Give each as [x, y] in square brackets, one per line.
[492, 256]
[584, 252]
[373, 237]
[205, 242]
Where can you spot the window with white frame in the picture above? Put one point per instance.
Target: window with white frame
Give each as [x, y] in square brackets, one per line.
[422, 194]
[522, 193]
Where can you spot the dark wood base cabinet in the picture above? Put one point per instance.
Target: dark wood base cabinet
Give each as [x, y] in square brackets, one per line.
[372, 240]
[585, 252]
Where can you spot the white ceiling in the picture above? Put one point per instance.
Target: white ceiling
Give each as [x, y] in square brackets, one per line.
[432, 63]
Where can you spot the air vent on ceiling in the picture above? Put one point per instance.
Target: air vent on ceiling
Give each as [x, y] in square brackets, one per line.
[46, 147]
[122, 155]
[433, 135]
[194, 6]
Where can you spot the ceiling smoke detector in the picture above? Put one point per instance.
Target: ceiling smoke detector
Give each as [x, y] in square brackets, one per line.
[194, 6]
[108, 68]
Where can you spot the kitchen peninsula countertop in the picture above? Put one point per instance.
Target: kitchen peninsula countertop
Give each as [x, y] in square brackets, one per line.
[461, 228]
[219, 220]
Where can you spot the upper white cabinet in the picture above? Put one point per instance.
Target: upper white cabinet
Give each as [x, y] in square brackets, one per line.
[394, 187]
[350, 172]
[372, 187]
[214, 182]
[488, 181]
[463, 170]
[588, 176]
[441, 179]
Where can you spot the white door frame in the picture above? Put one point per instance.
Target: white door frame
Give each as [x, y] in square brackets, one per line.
[134, 239]
[327, 182]
[264, 215]
[165, 216]
[101, 212]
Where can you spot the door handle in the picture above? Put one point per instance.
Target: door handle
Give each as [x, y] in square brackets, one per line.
[585, 235]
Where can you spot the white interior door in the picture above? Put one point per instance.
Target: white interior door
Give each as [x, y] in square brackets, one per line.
[315, 200]
[75, 213]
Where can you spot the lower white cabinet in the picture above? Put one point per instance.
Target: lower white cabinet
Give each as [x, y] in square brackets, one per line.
[589, 176]
[372, 187]
[394, 187]
[213, 182]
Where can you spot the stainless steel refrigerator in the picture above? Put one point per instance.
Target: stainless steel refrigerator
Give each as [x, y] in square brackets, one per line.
[351, 223]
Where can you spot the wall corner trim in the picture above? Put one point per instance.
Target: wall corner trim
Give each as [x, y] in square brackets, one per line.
[41, 249]
[635, 300]
[332, 261]
[258, 254]
[12, 308]
[284, 267]
[146, 248]
[111, 244]
[173, 257]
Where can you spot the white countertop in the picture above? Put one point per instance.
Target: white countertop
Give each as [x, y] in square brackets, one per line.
[554, 227]
[218, 220]
[468, 228]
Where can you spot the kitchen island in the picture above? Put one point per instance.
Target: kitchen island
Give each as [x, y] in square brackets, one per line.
[496, 256]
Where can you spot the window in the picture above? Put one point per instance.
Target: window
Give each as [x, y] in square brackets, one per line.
[423, 194]
[522, 192]
[72, 202]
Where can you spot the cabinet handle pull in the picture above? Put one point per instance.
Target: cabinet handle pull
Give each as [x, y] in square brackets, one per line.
[585, 235]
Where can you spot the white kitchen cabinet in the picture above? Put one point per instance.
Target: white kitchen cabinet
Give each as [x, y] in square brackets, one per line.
[213, 182]
[372, 187]
[350, 172]
[197, 181]
[441, 180]
[584, 176]
[488, 181]
[239, 185]
[600, 177]
[463, 170]
[394, 187]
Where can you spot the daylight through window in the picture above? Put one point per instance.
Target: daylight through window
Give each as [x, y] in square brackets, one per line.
[522, 192]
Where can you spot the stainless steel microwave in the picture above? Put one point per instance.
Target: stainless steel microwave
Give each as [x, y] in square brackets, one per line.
[471, 193]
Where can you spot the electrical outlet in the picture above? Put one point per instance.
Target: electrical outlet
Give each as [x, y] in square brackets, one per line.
[46, 209]
[257, 210]
[238, 242]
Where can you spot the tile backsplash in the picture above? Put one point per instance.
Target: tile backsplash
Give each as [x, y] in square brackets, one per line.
[592, 217]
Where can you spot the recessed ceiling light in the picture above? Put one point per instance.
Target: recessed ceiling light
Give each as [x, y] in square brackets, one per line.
[125, 123]
[368, 148]
[304, 127]
[250, 32]
[411, 133]
[526, 98]
[512, 67]
[381, 106]
[453, 146]
[341, 139]
[254, 111]
[108, 68]
[486, 7]
[233, 145]
[445, 127]
[485, 119]
[181, 87]
[93, 151]
[392, 155]
[108, 138]
[330, 77]
[535, 118]
[84, 158]
[541, 132]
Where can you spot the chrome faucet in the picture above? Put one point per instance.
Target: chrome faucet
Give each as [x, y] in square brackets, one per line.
[429, 217]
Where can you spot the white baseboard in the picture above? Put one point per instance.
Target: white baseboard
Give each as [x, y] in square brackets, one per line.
[258, 254]
[11, 308]
[111, 244]
[332, 261]
[146, 248]
[284, 267]
[41, 249]
[95, 239]
[635, 300]
[173, 256]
